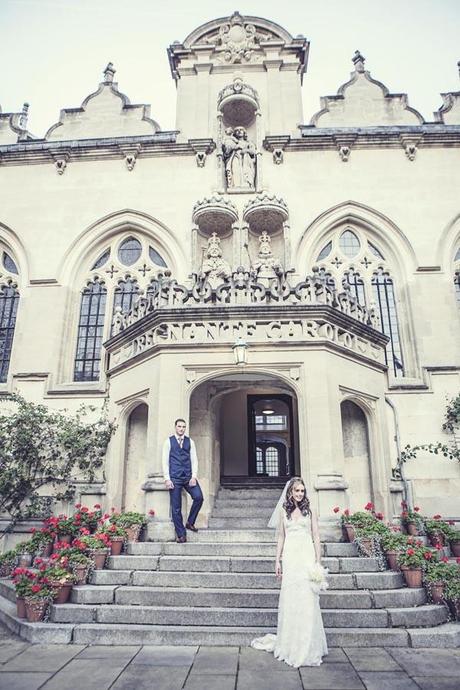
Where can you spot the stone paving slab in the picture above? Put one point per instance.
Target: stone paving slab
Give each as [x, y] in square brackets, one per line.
[166, 656]
[330, 676]
[197, 681]
[392, 680]
[42, 658]
[109, 652]
[436, 683]
[216, 660]
[269, 680]
[146, 678]
[90, 674]
[23, 681]
[428, 662]
[371, 659]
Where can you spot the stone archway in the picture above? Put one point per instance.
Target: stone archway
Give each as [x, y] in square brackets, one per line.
[219, 426]
[357, 454]
[135, 458]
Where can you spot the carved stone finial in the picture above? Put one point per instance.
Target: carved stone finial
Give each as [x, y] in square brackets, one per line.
[24, 115]
[358, 60]
[109, 73]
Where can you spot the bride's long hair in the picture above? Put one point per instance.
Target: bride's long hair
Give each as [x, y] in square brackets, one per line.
[290, 505]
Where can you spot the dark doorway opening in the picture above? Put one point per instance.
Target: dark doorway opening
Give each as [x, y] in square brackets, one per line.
[270, 436]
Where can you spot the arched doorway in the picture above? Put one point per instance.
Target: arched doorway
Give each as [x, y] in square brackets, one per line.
[135, 458]
[237, 443]
[356, 452]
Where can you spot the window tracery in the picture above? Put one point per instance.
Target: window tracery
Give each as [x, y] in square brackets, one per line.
[120, 273]
[457, 276]
[9, 303]
[357, 264]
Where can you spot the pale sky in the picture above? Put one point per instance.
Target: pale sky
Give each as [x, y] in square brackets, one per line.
[52, 52]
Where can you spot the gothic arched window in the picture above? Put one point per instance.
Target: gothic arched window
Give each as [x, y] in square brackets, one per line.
[9, 302]
[361, 267]
[457, 276]
[119, 274]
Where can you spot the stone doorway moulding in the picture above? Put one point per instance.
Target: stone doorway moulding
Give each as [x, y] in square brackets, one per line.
[218, 416]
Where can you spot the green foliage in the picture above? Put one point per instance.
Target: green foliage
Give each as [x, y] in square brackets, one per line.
[452, 414]
[393, 541]
[441, 571]
[452, 590]
[128, 519]
[40, 446]
[374, 528]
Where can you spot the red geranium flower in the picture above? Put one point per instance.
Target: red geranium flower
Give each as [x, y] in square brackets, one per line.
[369, 506]
[84, 509]
[346, 512]
[36, 588]
[152, 512]
[428, 555]
[436, 517]
[444, 559]
[416, 508]
[97, 506]
[410, 552]
[379, 516]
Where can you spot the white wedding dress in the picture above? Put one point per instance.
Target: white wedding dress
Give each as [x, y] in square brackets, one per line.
[300, 639]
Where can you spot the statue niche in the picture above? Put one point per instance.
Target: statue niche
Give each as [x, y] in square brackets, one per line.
[214, 268]
[240, 159]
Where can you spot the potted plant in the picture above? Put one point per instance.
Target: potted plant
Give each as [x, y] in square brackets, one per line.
[351, 521]
[436, 530]
[117, 536]
[42, 541]
[37, 602]
[80, 565]
[412, 561]
[8, 563]
[452, 596]
[25, 554]
[60, 580]
[454, 542]
[392, 543]
[411, 520]
[437, 576]
[23, 580]
[131, 522]
[368, 538]
[84, 517]
[97, 546]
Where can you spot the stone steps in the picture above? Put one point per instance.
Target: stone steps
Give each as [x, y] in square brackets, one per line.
[240, 598]
[236, 564]
[428, 615]
[239, 522]
[200, 548]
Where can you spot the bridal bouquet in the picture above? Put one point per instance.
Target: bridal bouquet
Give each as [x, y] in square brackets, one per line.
[317, 576]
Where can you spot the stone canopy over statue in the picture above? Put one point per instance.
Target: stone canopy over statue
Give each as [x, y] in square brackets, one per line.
[239, 155]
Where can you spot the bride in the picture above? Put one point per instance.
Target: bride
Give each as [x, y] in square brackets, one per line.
[300, 639]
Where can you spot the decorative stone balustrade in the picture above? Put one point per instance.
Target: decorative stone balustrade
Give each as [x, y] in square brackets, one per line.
[241, 289]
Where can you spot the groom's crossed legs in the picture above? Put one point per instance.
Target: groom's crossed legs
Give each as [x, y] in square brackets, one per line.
[176, 504]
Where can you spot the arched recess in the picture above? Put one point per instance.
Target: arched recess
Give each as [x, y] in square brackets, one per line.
[13, 277]
[99, 282]
[135, 458]
[378, 273]
[357, 453]
[448, 257]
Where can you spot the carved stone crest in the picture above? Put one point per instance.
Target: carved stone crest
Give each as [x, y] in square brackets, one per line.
[237, 39]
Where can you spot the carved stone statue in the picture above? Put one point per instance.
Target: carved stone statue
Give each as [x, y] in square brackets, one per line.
[239, 154]
[266, 267]
[214, 267]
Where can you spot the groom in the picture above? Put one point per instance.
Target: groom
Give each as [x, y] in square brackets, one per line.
[180, 468]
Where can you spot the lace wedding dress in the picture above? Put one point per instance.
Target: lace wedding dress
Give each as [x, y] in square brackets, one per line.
[300, 639]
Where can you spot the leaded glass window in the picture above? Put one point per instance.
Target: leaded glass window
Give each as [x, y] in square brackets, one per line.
[384, 297]
[355, 283]
[129, 251]
[349, 244]
[102, 260]
[9, 264]
[457, 286]
[156, 258]
[325, 251]
[90, 332]
[125, 295]
[9, 300]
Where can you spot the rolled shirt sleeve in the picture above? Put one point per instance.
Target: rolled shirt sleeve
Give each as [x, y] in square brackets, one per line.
[194, 459]
[165, 460]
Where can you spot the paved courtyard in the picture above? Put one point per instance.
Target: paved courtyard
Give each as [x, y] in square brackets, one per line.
[65, 667]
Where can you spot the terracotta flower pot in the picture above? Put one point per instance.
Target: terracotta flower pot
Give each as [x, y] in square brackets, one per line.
[366, 545]
[35, 609]
[99, 556]
[65, 538]
[413, 576]
[455, 548]
[349, 532]
[81, 574]
[132, 533]
[61, 592]
[116, 545]
[25, 560]
[392, 558]
[411, 528]
[454, 606]
[20, 607]
[47, 549]
[436, 537]
[437, 592]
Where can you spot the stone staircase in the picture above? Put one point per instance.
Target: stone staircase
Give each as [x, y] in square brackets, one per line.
[219, 589]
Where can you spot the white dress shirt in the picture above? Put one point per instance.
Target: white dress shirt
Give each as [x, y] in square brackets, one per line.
[165, 458]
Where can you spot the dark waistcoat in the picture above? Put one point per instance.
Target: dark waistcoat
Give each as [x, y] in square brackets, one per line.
[180, 462]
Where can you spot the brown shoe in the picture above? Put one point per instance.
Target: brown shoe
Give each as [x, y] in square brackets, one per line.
[192, 528]
[181, 540]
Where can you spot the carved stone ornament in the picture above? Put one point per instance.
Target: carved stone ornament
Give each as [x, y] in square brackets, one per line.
[214, 268]
[344, 153]
[130, 160]
[238, 88]
[278, 156]
[240, 159]
[237, 40]
[60, 164]
[411, 151]
[200, 157]
[266, 267]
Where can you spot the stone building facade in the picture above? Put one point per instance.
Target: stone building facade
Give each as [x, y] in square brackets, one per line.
[291, 289]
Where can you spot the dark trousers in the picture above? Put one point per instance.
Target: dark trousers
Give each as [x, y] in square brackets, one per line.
[175, 496]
